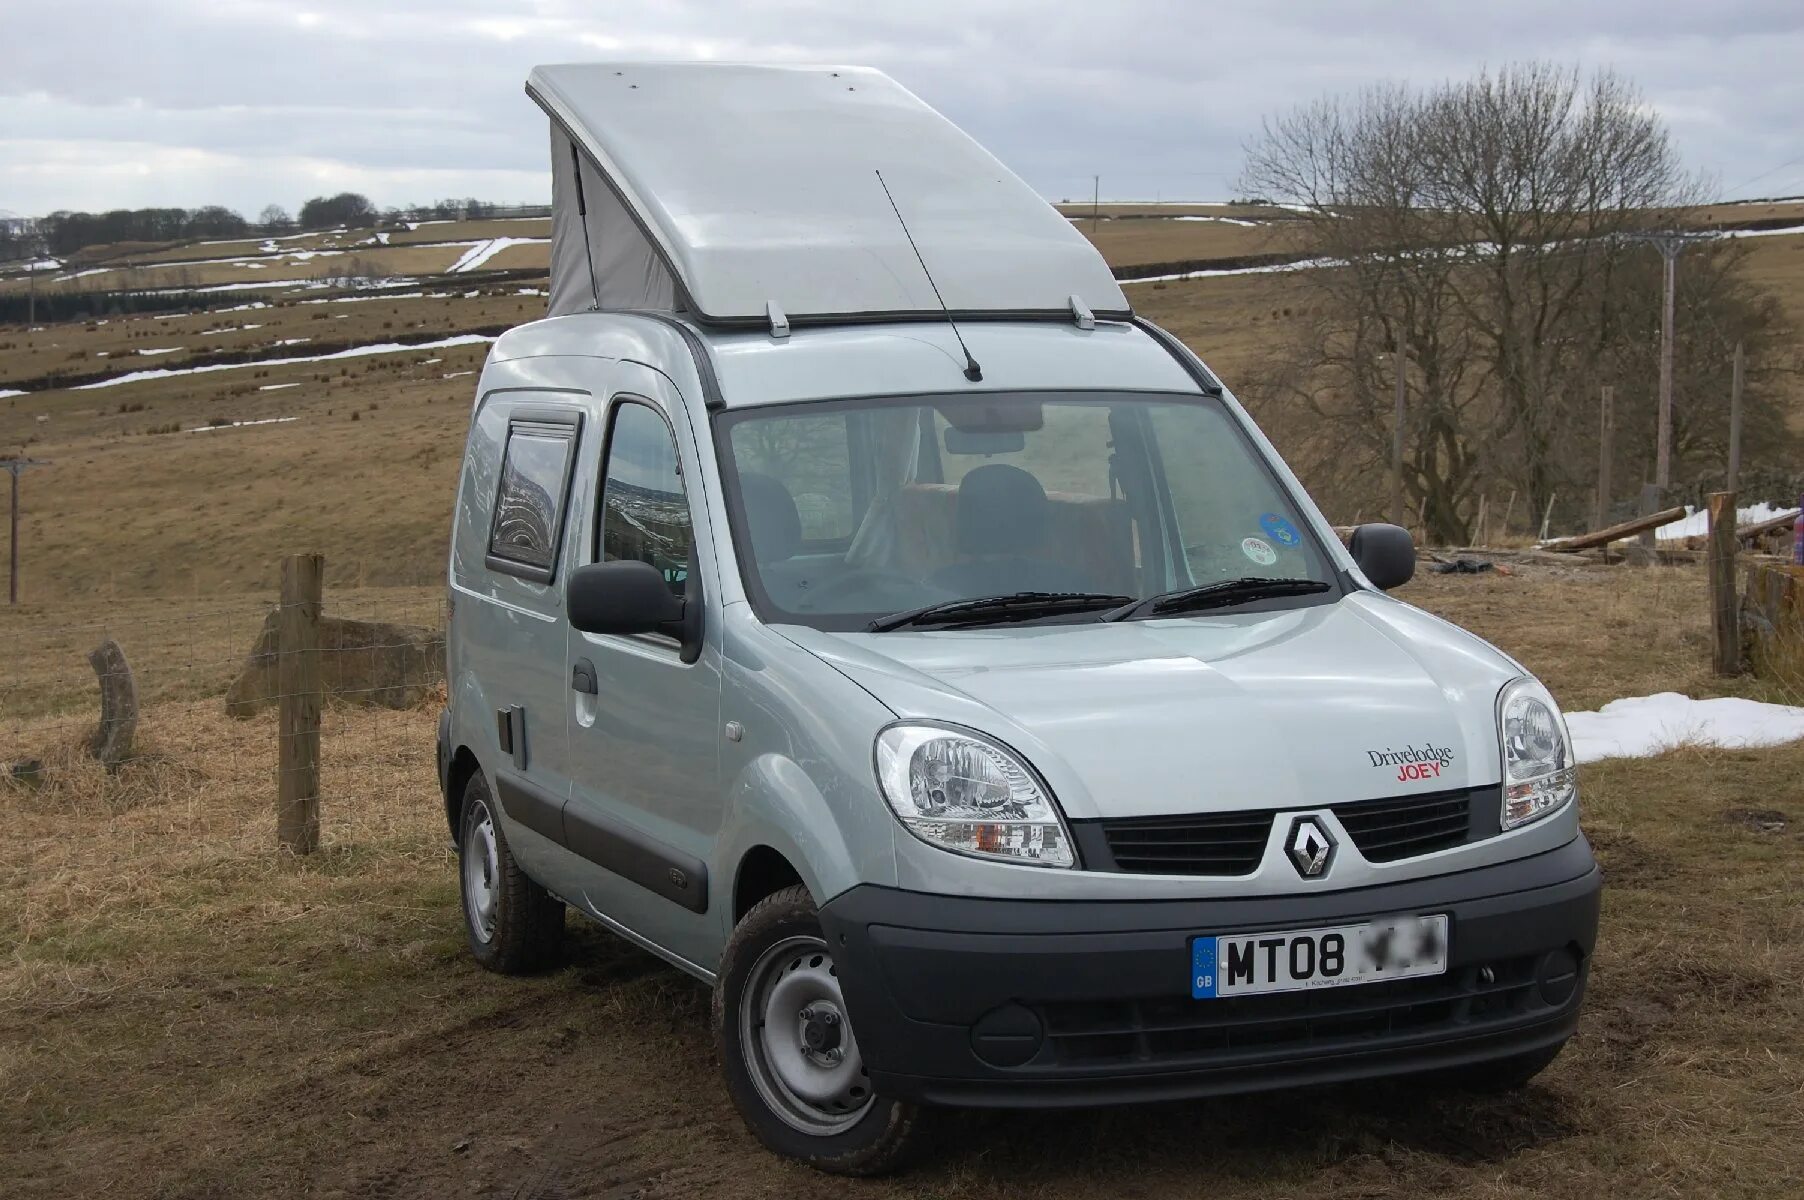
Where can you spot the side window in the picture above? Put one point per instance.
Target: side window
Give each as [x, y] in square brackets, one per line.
[529, 504]
[644, 512]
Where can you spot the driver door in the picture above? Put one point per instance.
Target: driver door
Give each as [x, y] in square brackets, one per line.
[645, 803]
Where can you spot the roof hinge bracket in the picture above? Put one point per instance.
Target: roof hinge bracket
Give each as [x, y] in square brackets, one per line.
[779, 324]
[1080, 312]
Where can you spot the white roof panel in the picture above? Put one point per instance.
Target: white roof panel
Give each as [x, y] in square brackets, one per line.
[758, 186]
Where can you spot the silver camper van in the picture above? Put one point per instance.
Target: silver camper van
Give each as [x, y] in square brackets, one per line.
[856, 605]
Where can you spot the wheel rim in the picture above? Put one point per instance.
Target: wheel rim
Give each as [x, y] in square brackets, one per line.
[481, 871]
[797, 1040]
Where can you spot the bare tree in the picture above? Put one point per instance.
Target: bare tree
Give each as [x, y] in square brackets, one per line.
[1484, 230]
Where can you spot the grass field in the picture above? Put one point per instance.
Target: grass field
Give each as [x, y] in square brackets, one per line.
[182, 1013]
[185, 1014]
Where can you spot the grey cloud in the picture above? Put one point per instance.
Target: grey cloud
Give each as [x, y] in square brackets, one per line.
[1156, 96]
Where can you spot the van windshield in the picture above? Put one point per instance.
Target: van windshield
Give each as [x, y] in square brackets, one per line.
[844, 512]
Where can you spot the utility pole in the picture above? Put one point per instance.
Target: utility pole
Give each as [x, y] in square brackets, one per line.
[1669, 245]
[1606, 453]
[1669, 250]
[15, 467]
[1735, 418]
[1095, 201]
[1397, 443]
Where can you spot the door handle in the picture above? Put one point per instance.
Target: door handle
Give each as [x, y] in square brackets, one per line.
[582, 677]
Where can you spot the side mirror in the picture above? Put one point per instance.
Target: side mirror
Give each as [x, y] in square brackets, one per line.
[626, 596]
[1386, 553]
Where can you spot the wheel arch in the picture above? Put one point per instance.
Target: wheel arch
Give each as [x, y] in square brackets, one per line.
[762, 871]
[462, 768]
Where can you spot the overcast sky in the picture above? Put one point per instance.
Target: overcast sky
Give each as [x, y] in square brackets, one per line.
[124, 103]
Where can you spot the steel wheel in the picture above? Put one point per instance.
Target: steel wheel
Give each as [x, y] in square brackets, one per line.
[797, 1039]
[481, 872]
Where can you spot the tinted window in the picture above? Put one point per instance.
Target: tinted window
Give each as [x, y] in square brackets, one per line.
[644, 514]
[529, 504]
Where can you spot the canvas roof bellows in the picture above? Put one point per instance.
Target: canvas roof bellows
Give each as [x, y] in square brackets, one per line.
[727, 192]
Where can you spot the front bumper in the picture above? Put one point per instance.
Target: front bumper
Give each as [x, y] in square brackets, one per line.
[1028, 1003]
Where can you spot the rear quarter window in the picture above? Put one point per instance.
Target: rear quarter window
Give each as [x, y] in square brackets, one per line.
[530, 500]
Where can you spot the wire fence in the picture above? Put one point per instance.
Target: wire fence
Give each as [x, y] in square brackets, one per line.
[108, 699]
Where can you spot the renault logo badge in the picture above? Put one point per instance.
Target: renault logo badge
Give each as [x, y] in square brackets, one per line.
[1310, 847]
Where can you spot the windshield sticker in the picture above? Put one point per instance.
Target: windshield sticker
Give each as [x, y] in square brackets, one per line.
[1279, 530]
[1412, 763]
[1259, 550]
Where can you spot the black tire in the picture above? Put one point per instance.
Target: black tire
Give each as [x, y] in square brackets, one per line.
[874, 1135]
[524, 925]
[1504, 1074]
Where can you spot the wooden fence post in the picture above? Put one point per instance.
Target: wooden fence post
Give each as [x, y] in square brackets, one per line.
[298, 687]
[111, 741]
[1724, 602]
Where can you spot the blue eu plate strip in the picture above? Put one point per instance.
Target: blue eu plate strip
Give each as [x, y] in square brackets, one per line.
[1202, 968]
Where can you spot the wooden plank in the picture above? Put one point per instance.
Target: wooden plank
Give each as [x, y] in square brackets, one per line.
[1783, 521]
[1604, 537]
[298, 683]
[1725, 601]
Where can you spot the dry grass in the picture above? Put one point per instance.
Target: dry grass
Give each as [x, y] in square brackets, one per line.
[183, 1012]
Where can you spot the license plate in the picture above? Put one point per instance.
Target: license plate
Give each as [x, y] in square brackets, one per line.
[1296, 960]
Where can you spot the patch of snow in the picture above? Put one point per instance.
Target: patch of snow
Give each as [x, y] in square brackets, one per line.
[1306, 264]
[427, 362]
[1697, 522]
[1747, 233]
[458, 374]
[483, 251]
[1643, 726]
[292, 341]
[531, 292]
[462, 339]
[4, 393]
[103, 354]
[363, 299]
[164, 350]
[242, 424]
[276, 387]
[1218, 220]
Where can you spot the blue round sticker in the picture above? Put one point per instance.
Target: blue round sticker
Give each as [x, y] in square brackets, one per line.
[1279, 529]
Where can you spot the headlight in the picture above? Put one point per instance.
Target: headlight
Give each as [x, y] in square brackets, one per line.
[962, 792]
[1538, 773]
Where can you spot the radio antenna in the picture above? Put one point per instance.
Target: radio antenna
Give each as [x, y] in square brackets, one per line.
[973, 372]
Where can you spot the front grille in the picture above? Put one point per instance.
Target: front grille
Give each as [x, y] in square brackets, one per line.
[1170, 1031]
[1207, 844]
[1387, 830]
[1232, 843]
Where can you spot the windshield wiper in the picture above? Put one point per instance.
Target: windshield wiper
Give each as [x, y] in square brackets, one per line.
[1015, 606]
[1215, 595]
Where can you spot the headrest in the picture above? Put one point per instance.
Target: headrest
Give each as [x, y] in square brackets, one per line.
[1001, 510]
[770, 511]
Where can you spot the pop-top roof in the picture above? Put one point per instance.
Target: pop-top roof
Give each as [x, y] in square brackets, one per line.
[735, 191]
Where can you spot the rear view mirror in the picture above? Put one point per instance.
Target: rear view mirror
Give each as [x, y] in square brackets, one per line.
[627, 596]
[969, 441]
[1386, 553]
